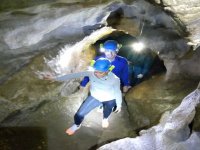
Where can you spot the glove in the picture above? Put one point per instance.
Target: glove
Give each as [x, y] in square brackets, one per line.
[140, 76]
[117, 110]
[126, 88]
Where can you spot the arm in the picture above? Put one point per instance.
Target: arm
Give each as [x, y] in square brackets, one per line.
[85, 81]
[118, 93]
[72, 76]
[147, 64]
[125, 74]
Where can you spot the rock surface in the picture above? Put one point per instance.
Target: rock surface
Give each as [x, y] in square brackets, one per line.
[65, 30]
[188, 12]
[171, 133]
[150, 99]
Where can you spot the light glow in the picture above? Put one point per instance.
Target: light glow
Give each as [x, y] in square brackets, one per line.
[138, 47]
[69, 58]
[102, 50]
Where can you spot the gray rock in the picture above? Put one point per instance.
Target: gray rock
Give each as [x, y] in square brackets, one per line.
[171, 133]
[148, 100]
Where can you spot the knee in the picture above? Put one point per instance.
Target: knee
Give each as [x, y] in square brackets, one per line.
[79, 115]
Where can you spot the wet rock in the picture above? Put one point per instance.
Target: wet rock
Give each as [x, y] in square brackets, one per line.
[188, 13]
[150, 99]
[195, 125]
[171, 133]
[33, 30]
[186, 67]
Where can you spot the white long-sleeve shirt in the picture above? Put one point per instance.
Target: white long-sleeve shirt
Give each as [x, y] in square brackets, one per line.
[102, 89]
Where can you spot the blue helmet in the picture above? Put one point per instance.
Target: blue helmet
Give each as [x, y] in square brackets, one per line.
[102, 64]
[111, 45]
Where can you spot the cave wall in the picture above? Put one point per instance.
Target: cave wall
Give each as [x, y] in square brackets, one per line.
[162, 32]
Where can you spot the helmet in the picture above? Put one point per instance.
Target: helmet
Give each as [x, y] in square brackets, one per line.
[102, 64]
[111, 45]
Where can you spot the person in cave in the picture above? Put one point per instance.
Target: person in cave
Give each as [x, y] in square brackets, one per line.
[110, 49]
[104, 90]
[139, 65]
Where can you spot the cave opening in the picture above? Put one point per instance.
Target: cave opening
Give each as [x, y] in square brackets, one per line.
[147, 60]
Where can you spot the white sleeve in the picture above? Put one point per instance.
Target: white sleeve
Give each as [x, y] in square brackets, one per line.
[118, 93]
[73, 76]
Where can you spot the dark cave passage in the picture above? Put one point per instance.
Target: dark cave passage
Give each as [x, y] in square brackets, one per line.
[147, 61]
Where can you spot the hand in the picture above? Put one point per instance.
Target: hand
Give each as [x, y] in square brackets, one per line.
[118, 109]
[126, 88]
[129, 62]
[48, 77]
[83, 92]
[81, 88]
[140, 76]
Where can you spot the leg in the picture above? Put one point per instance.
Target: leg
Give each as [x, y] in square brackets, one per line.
[89, 104]
[107, 109]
